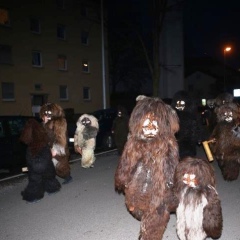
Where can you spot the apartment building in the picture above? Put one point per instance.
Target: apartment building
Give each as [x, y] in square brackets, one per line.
[51, 51]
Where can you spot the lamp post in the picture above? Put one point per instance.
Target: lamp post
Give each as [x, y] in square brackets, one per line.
[226, 49]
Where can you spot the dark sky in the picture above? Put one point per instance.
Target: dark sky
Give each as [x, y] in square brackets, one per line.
[209, 25]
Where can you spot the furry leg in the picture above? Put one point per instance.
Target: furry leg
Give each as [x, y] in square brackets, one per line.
[34, 189]
[51, 184]
[88, 158]
[230, 170]
[153, 224]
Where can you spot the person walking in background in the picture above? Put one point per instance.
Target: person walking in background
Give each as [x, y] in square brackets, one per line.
[120, 128]
[56, 126]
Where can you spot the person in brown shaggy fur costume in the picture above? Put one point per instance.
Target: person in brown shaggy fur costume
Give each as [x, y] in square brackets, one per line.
[145, 170]
[41, 171]
[199, 213]
[226, 134]
[56, 126]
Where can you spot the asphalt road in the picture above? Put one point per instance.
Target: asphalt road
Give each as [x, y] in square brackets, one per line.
[89, 209]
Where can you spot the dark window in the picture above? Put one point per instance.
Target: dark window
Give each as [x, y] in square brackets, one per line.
[63, 92]
[60, 4]
[8, 91]
[84, 11]
[61, 32]
[62, 62]
[86, 93]
[5, 54]
[84, 37]
[36, 59]
[35, 25]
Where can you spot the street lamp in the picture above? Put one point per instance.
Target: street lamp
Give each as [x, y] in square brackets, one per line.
[226, 49]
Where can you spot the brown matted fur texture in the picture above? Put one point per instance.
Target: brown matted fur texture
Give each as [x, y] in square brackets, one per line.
[146, 168]
[56, 128]
[34, 135]
[199, 213]
[226, 148]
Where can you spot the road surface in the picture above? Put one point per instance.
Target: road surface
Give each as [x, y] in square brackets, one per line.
[89, 209]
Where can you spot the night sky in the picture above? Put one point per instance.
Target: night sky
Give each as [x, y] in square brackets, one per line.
[209, 25]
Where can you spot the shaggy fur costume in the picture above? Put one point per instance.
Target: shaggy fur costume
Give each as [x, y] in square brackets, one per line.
[41, 172]
[226, 149]
[85, 139]
[199, 213]
[223, 98]
[120, 129]
[191, 130]
[56, 128]
[146, 168]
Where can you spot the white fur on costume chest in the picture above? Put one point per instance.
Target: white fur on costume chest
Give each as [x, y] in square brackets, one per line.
[57, 150]
[190, 218]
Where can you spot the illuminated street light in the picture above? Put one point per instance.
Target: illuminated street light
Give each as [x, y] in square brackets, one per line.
[226, 49]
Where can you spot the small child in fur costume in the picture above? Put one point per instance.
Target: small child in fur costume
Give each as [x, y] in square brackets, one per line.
[56, 126]
[199, 213]
[85, 139]
[146, 168]
[41, 171]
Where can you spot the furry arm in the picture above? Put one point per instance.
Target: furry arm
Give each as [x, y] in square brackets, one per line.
[124, 169]
[212, 215]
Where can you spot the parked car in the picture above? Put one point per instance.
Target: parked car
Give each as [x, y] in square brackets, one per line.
[12, 151]
[104, 139]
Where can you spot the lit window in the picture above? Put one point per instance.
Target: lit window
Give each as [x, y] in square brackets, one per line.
[61, 32]
[62, 62]
[86, 93]
[63, 92]
[84, 37]
[85, 66]
[4, 17]
[8, 91]
[5, 54]
[36, 59]
[35, 25]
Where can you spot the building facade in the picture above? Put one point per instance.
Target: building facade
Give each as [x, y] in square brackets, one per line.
[51, 51]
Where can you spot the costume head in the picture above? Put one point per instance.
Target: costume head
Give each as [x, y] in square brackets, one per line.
[121, 111]
[227, 112]
[211, 103]
[223, 98]
[51, 110]
[148, 117]
[183, 102]
[87, 120]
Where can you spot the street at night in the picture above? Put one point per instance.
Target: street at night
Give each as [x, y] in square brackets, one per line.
[89, 208]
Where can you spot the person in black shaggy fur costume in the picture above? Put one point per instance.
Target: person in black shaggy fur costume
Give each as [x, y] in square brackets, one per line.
[191, 130]
[41, 171]
[120, 129]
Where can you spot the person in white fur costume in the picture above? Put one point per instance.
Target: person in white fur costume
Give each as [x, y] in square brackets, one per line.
[85, 139]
